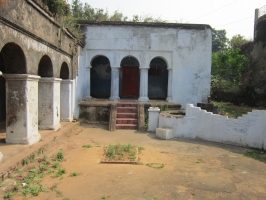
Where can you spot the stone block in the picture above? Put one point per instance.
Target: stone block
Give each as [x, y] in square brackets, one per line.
[165, 133]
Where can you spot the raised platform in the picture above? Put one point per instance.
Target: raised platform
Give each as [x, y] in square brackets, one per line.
[103, 111]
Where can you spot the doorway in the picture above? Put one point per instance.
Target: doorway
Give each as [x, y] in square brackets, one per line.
[130, 83]
[129, 78]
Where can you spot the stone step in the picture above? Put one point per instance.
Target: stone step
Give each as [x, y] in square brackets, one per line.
[127, 104]
[126, 126]
[127, 115]
[126, 121]
[126, 110]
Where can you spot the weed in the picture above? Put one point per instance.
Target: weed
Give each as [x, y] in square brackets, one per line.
[8, 195]
[153, 198]
[54, 138]
[60, 172]
[3, 185]
[199, 160]
[256, 154]
[16, 186]
[32, 157]
[25, 191]
[155, 165]
[25, 161]
[56, 165]
[40, 151]
[43, 167]
[60, 156]
[106, 196]
[140, 149]
[87, 146]
[120, 152]
[146, 121]
[231, 167]
[35, 190]
[74, 173]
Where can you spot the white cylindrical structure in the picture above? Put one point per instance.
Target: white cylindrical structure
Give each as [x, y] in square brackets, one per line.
[66, 101]
[22, 109]
[143, 86]
[153, 118]
[49, 103]
[169, 91]
[115, 84]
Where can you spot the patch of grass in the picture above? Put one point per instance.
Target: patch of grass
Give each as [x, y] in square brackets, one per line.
[121, 152]
[40, 151]
[74, 173]
[43, 167]
[106, 196]
[32, 157]
[56, 165]
[155, 165]
[60, 172]
[60, 156]
[233, 111]
[3, 185]
[140, 149]
[199, 160]
[256, 154]
[25, 161]
[8, 195]
[86, 146]
[153, 198]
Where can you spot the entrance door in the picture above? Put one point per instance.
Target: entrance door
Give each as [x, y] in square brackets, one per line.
[130, 83]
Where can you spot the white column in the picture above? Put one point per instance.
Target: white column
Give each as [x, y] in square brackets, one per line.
[49, 103]
[153, 118]
[87, 81]
[143, 86]
[22, 109]
[66, 101]
[169, 90]
[115, 84]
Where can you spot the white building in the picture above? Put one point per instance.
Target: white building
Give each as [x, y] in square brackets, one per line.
[145, 61]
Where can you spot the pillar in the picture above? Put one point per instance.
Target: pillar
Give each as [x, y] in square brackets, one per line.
[115, 84]
[153, 118]
[143, 88]
[66, 101]
[169, 90]
[22, 109]
[49, 103]
[87, 96]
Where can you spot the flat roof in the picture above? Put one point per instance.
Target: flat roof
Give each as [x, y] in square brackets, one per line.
[145, 24]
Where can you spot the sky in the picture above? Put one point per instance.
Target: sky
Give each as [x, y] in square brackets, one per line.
[235, 16]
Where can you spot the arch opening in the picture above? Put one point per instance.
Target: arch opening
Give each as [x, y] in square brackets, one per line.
[157, 79]
[64, 71]
[129, 78]
[100, 77]
[45, 68]
[2, 94]
[13, 59]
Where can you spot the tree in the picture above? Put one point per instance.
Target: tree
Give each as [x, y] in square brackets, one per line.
[237, 41]
[118, 16]
[219, 40]
[228, 65]
[88, 12]
[58, 7]
[77, 9]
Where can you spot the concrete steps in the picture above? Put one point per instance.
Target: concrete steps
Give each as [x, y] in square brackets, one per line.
[127, 115]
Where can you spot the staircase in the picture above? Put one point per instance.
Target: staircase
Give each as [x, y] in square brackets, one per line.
[127, 115]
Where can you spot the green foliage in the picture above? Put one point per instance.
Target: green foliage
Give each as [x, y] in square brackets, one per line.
[58, 7]
[256, 154]
[60, 156]
[119, 152]
[155, 165]
[228, 65]
[237, 41]
[219, 40]
[8, 195]
[74, 173]
[86, 146]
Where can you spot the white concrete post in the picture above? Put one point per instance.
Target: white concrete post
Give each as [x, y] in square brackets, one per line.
[49, 103]
[153, 118]
[88, 84]
[66, 101]
[169, 90]
[22, 109]
[115, 84]
[143, 86]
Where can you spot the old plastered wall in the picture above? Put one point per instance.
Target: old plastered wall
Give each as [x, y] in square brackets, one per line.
[248, 130]
[186, 50]
[28, 25]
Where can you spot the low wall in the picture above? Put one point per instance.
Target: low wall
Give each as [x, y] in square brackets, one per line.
[248, 130]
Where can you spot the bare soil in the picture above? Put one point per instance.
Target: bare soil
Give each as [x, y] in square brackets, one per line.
[192, 169]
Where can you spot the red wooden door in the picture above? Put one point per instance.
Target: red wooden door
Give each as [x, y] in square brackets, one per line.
[130, 82]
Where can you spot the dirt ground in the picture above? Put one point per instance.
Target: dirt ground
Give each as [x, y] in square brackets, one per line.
[192, 169]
